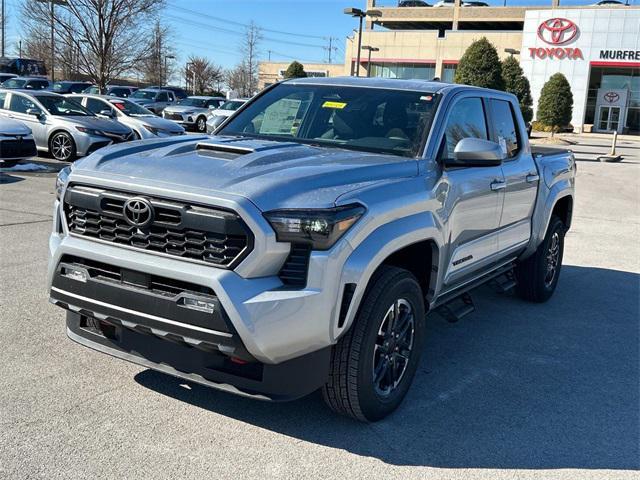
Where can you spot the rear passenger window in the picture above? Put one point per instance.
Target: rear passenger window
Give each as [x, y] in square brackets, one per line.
[505, 127]
[465, 120]
[20, 104]
[96, 106]
[162, 97]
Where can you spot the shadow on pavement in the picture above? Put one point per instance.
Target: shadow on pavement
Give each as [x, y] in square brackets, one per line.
[514, 385]
[6, 178]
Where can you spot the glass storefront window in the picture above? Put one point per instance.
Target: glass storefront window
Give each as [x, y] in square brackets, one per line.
[448, 73]
[421, 71]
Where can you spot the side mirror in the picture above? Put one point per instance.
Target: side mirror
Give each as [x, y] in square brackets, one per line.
[106, 113]
[476, 152]
[35, 112]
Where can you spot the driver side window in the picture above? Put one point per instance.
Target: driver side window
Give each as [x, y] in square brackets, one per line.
[466, 119]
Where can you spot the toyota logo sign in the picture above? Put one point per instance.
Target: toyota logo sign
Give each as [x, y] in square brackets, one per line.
[557, 31]
[611, 97]
[138, 212]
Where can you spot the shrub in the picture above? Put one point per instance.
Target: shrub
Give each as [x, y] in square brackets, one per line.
[295, 70]
[556, 103]
[480, 66]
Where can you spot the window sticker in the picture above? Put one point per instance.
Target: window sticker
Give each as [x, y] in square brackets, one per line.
[503, 144]
[279, 118]
[336, 105]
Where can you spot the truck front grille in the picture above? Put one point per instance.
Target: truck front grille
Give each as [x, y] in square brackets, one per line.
[198, 233]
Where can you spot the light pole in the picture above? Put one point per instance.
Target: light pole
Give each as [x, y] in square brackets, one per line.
[53, 45]
[191, 70]
[360, 14]
[165, 72]
[370, 49]
[512, 51]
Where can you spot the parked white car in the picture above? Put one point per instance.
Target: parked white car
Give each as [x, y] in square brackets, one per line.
[143, 122]
[228, 108]
[16, 142]
[191, 112]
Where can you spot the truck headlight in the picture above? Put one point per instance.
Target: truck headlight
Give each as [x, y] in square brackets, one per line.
[155, 130]
[61, 181]
[90, 131]
[321, 228]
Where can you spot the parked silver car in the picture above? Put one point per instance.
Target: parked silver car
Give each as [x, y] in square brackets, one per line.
[192, 112]
[16, 142]
[154, 99]
[61, 126]
[228, 108]
[142, 121]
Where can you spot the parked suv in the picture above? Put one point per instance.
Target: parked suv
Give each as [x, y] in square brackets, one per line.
[27, 83]
[142, 121]
[153, 99]
[192, 112]
[69, 87]
[300, 247]
[61, 126]
[219, 115]
[113, 90]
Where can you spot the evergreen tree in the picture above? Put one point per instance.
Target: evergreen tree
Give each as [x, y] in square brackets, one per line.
[515, 82]
[295, 70]
[556, 103]
[480, 66]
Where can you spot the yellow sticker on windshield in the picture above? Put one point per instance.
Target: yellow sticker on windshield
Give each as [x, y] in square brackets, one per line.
[338, 105]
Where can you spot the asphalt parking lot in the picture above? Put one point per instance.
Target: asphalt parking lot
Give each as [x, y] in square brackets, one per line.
[514, 390]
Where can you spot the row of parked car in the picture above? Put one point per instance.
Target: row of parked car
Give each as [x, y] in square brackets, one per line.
[77, 124]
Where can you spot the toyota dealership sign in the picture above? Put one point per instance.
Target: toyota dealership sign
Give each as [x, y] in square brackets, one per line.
[557, 33]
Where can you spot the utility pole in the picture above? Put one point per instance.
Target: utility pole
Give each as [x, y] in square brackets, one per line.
[2, 28]
[53, 46]
[330, 48]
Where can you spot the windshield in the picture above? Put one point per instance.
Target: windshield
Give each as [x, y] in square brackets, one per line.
[146, 94]
[14, 83]
[193, 102]
[62, 106]
[358, 118]
[231, 105]
[131, 109]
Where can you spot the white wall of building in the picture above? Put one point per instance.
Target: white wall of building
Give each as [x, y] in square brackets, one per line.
[598, 29]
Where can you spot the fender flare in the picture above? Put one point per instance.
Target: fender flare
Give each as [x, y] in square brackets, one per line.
[365, 259]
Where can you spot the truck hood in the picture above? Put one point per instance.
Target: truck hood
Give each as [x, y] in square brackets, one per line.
[269, 174]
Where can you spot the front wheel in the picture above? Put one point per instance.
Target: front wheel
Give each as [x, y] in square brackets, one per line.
[538, 275]
[373, 364]
[201, 125]
[62, 147]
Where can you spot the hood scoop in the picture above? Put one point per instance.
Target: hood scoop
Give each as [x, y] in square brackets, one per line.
[223, 148]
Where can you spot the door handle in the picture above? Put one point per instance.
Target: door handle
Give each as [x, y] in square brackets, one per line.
[533, 177]
[498, 185]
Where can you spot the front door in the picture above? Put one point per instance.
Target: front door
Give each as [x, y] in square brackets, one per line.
[609, 119]
[473, 196]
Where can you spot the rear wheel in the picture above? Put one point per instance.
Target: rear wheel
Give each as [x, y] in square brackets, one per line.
[201, 124]
[538, 275]
[373, 364]
[62, 147]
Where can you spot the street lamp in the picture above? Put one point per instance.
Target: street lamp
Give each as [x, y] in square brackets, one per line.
[360, 14]
[370, 49]
[191, 70]
[512, 51]
[165, 72]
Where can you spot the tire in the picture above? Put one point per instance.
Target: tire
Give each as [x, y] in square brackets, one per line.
[201, 125]
[538, 275]
[62, 147]
[351, 389]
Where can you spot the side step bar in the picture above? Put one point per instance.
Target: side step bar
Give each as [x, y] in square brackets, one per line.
[458, 303]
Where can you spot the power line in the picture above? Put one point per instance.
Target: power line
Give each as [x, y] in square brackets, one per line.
[226, 21]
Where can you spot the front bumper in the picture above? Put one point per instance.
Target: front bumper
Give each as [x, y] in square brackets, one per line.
[286, 381]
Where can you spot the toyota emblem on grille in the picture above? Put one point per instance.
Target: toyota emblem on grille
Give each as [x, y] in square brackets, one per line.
[557, 31]
[138, 212]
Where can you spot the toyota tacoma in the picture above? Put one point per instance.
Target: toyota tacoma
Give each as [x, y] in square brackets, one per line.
[301, 247]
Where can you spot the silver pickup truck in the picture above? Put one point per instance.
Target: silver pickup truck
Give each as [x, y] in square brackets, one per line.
[302, 246]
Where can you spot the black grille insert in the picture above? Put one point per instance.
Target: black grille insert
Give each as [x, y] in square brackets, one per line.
[209, 235]
[294, 271]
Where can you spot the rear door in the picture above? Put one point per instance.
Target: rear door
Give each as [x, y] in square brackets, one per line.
[472, 195]
[18, 106]
[520, 175]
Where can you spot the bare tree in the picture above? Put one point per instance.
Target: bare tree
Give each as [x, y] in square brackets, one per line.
[159, 54]
[250, 51]
[238, 80]
[202, 74]
[105, 33]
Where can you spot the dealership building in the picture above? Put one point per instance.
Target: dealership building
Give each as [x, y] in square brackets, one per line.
[596, 47]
